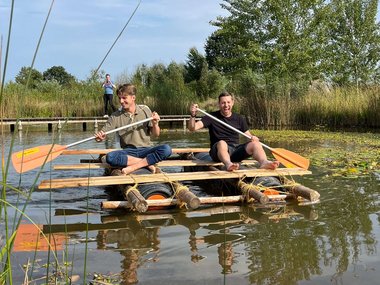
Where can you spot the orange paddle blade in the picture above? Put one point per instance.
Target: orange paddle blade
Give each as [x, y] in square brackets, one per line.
[290, 159]
[31, 158]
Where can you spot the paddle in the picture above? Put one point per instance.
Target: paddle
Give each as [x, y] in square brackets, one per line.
[31, 158]
[286, 157]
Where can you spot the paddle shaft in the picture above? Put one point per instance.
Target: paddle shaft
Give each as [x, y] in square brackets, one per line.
[110, 132]
[232, 128]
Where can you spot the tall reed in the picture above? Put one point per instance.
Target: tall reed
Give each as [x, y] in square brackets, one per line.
[52, 100]
[340, 107]
[274, 105]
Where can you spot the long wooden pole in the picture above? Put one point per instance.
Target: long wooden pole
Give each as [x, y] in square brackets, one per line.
[172, 202]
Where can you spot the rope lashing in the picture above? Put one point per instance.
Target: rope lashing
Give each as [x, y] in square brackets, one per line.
[178, 188]
[132, 188]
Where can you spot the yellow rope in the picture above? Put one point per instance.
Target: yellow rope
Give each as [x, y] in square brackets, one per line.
[245, 187]
[262, 188]
[130, 189]
[289, 183]
[178, 189]
[134, 187]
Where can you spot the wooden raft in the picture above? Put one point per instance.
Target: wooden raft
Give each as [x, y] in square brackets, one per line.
[105, 151]
[167, 177]
[165, 163]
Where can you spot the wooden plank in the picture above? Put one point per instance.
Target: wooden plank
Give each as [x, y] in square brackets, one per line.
[172, 202]
[105, 151]
[165, 163]
[166, 177]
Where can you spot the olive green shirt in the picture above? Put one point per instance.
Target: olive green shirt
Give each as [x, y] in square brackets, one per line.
[136, 136]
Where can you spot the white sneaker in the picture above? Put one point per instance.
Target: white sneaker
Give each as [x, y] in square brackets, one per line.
[105, 116]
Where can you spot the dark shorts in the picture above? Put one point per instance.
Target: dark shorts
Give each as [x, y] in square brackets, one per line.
[237, 152]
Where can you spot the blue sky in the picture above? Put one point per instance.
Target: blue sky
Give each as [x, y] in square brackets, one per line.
[80, 32]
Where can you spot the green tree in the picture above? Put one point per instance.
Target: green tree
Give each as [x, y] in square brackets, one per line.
[210, 83]
[194, 65]
[59, 74]
[281, 39]
[353, 52]
[140, 76]
[223, 48]
[205, 82]
[35, 77]
[155, 74]
[96, 76]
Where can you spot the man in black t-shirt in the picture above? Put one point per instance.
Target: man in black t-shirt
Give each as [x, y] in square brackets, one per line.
[224, 142]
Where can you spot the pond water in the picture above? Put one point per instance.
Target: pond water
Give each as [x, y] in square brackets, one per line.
[332, 242]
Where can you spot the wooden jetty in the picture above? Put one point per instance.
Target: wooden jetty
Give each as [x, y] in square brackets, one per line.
[176, 194]
[18, 124]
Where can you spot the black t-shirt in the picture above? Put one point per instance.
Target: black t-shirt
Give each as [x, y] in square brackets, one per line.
[219, 132]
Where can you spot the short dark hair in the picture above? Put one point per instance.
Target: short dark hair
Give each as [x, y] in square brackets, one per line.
[225, 94]
[107, 74]
[128, 89]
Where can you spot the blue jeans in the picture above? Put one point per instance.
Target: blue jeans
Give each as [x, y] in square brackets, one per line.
[119, 158]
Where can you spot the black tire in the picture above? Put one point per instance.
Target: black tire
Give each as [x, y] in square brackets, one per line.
[268, 181]
[148, 190]
[161, 189]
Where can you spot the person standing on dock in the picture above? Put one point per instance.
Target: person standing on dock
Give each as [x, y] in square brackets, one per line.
[108, 95]
[137, 151]
[224, 142]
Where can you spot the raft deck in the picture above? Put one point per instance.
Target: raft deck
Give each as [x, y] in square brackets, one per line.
[165, 163]
[105, 151]
[127, 184]
[167, 177]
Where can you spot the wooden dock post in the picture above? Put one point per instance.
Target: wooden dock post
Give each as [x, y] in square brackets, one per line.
[184, 125]
[19, 126]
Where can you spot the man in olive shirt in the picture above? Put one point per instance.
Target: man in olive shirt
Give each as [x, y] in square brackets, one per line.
[137, 151]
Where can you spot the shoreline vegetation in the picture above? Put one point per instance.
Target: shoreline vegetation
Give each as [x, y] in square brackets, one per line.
[165, 90]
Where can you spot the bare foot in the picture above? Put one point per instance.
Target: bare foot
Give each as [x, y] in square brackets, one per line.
[232, 166]
[127, 170]
[103, 159]
[271, 165]
[154, 169]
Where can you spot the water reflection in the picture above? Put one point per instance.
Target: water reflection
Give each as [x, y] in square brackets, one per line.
[137, 238]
